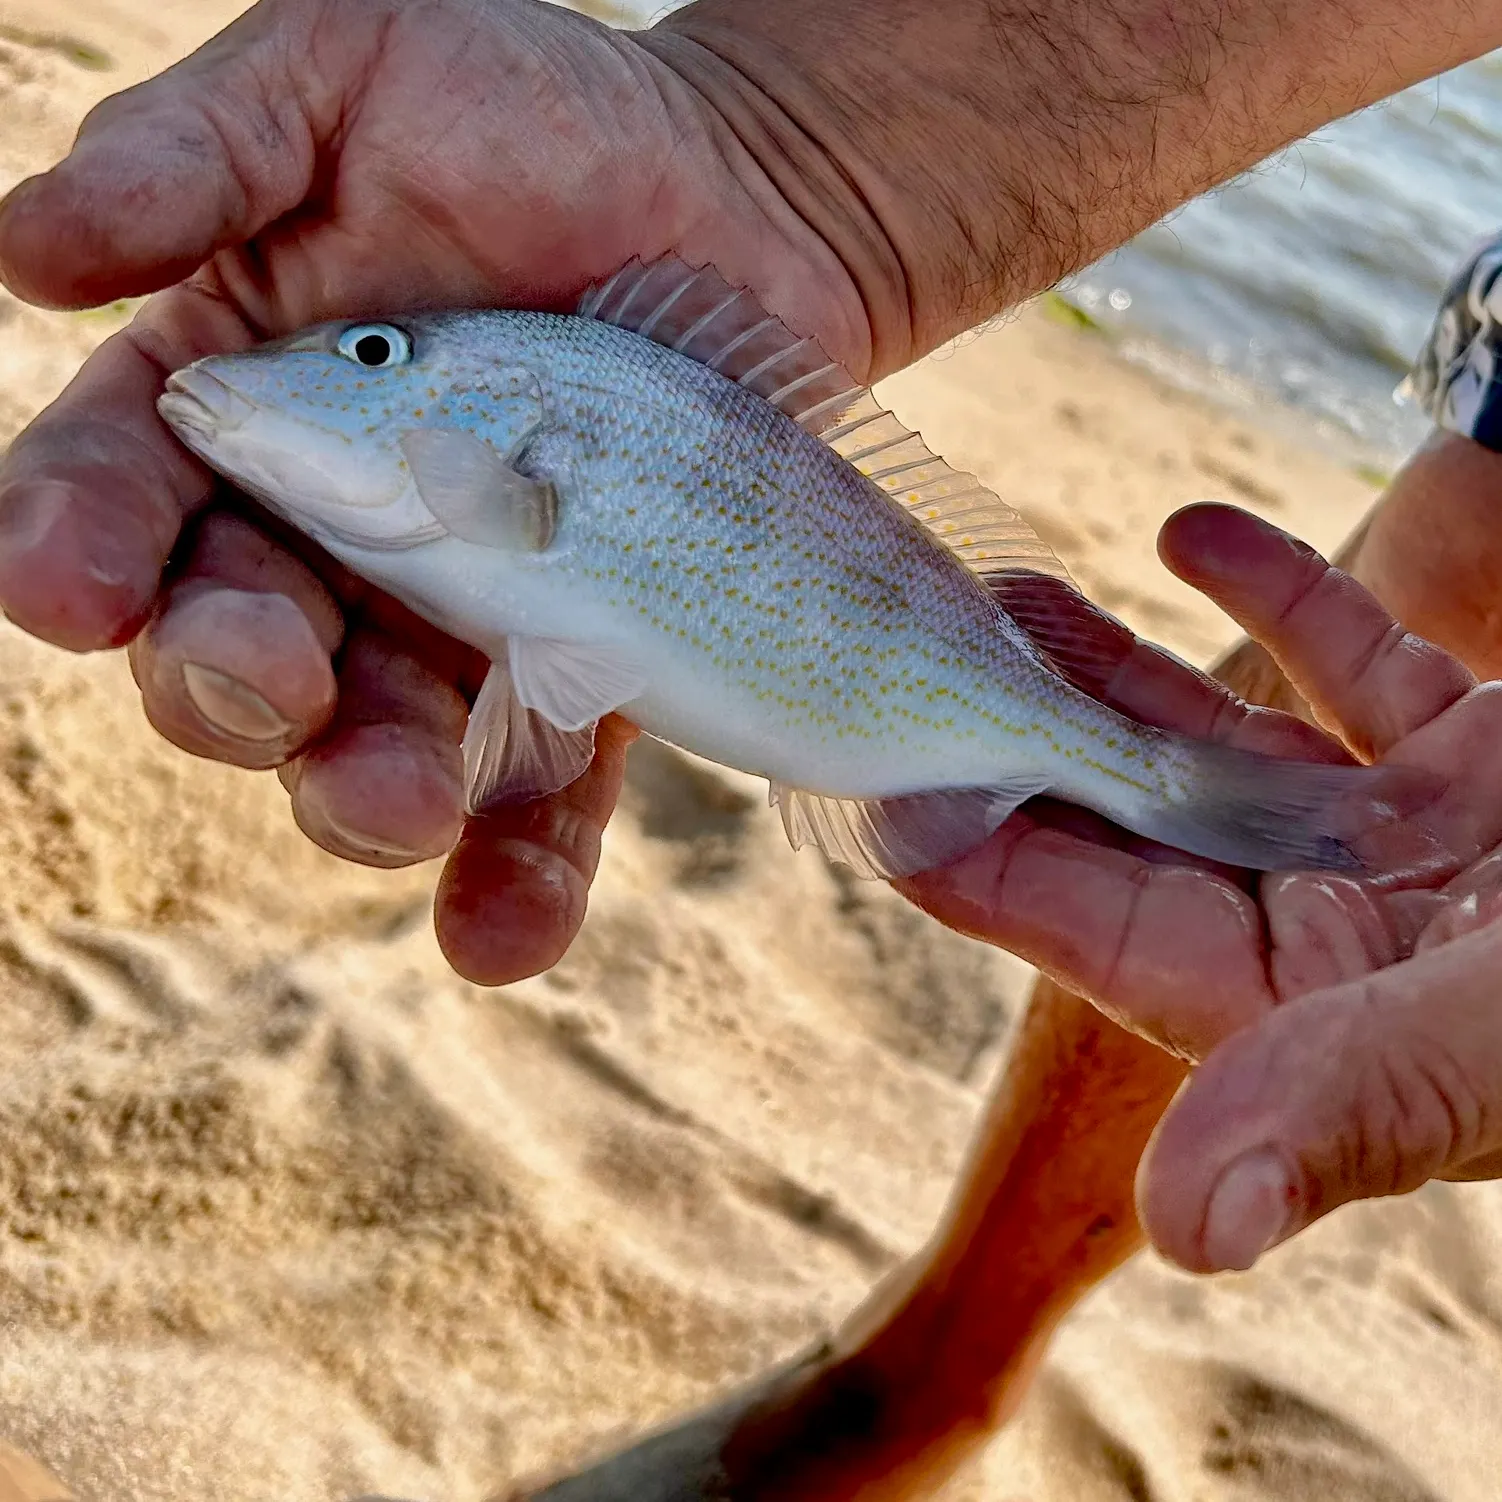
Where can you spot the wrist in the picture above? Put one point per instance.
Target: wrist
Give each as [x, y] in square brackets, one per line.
[777, 141]
[961, 158]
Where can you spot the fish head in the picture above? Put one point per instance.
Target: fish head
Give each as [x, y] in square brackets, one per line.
[313, 425]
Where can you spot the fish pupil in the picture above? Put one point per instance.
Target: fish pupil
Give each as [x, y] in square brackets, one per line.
[373, 349]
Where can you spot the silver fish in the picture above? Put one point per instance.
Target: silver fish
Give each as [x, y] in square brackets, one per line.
[667, 504]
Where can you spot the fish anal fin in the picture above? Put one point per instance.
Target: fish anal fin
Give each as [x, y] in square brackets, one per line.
[886, 838]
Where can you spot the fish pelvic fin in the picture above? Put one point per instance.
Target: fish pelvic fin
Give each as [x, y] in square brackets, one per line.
[886, 838]
[513, 754]
[697, 313]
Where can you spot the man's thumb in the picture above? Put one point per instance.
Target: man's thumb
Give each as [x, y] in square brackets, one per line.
[166, 173]
[1360, 1090]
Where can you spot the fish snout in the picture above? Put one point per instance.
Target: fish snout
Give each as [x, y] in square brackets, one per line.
[198, 402]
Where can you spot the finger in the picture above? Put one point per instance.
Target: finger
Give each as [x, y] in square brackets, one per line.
[1363, 1090]
[1133, 929]
[514, 891]
[1360, 671]
[1106, 660]
[235, 664]
[166, 173]
[93, 492]
[1459, 753]
[385, 786]
[1155, 687]
[1471, 901]
[1139, 939]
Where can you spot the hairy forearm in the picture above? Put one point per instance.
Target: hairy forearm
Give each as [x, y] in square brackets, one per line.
[966, 154]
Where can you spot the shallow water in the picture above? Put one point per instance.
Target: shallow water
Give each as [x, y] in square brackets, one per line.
[1317, 275]
[1314, 278]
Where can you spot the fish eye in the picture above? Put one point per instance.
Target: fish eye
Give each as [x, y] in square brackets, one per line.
[375, 345]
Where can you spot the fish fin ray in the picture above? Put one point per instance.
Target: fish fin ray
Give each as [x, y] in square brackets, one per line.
[697, 313]
[886, 838]
[986, 534]
[572, 684]
[1084, 643]
[475, 494]
[512, 754]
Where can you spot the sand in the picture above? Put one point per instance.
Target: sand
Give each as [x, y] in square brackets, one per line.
[289, 1212]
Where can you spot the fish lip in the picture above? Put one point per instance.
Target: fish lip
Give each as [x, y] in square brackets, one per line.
[197, 403]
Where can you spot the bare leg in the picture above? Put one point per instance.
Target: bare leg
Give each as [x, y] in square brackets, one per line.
[940, 1355]
[25, 1479]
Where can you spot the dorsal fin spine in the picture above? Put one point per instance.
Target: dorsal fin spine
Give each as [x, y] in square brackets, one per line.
[845, 429]
[772, 360]
[837, 403]
[743, 338]
[699, 315]
[794, 386]
[897, 469]
[664, 306]
[631, 295]
[698, 328]
[590, 306]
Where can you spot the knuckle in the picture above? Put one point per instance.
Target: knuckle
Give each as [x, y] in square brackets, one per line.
[1415, 1111]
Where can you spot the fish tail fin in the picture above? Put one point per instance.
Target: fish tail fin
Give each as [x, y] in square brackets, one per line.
[1268, 814]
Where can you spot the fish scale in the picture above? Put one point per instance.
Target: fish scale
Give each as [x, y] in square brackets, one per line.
[933, 656]
[670, 506]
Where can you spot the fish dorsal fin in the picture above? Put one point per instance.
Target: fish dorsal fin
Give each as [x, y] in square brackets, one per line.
[699, 314]
[1083, 642]
[972, 520]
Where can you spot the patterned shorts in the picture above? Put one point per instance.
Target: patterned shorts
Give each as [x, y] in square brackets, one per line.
[1457, 378]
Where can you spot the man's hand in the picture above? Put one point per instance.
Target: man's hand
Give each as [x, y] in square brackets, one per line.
[1349, 1028]
[879, 180]
[344, 157]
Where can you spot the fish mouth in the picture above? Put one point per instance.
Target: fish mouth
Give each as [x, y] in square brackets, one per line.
[197, 404]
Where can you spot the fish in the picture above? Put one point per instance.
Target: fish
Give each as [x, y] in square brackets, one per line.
[666, 504]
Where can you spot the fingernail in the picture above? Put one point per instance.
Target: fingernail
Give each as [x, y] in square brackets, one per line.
[1251, 1209]
[233, 707]
[311, 803]
[28, 513]
[361, 847]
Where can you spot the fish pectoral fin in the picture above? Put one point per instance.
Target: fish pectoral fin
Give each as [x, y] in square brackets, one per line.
[476, 495]
[886, 838]
[1084, 642]
[512, 754]
[572, 683]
